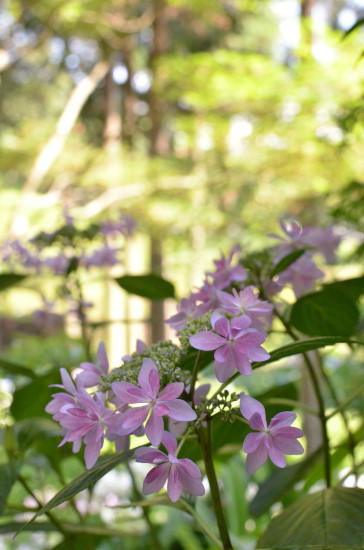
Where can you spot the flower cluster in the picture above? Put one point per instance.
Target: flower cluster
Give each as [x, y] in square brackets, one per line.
[156, 392]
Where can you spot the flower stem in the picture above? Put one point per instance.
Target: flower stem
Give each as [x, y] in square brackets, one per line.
[204, 436]
[318, 394]
[194, 375]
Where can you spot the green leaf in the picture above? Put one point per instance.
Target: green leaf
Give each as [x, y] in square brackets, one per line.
[325, 313]
[332, 519]
[287, 261]
[15, 368]
[353, 288]
[85, 480]
[8, 280]
[281, 481]
[304, 345]
[8, 475]
[35, 429]
[30, 401]
[148, 286]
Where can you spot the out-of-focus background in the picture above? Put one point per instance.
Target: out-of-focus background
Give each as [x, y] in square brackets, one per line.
[206, 122]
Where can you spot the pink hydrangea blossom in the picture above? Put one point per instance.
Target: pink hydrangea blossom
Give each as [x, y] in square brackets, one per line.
[103, 257]
[87, 421]
[140, 347]
[164, 404]
[187, 310]
[91, 374]
[301, 275]
[182, 474]
[325, 240]
[178, 428]
[225, 272]
[275, 440]
[293, 239]
[58, 264]
[235, 343]
[246, 302]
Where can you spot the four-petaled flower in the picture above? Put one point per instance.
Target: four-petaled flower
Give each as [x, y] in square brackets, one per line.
[275, 440]
[182, 473]
[166, 404]
[236, 345]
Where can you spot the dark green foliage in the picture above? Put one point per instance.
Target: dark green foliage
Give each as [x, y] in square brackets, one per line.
[148, 286]
[287, 261]
[7, 280]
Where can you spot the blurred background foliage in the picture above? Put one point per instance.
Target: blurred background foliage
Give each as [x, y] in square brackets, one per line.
[207, 122]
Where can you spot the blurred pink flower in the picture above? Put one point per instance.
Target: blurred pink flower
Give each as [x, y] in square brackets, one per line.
[246, 302]
[182, 474]
[187, 310]
[91, 374]
[275, 440]
[301, 275]
[236, 345]
[166, 404]
[140, 347]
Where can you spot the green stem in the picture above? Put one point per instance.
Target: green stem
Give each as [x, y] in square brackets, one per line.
[152, 529]
[194, 375]
[292, 403]
[318, 394]
[340, 408]
[199, 521]
[204, 436]
[342, 405]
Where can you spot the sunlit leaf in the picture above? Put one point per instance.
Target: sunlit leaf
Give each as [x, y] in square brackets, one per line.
[8, 475]
[330, 519]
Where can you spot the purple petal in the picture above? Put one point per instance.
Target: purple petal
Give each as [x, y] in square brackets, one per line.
[220, 324]
[240, 323]
[252, 442]
[140, 346]
[189, 468]
[102, 358]
[155, 479]
[251, 338]
[169, 442]
[276, 456]
[223, 371]
[134, 417]
[193, 486]
[154, 428]
[172, 391]
[282, 420]
[250, 406]
[223, 354]
[206, 340]
[241, 362]
[67, 381]
[256, 459]
[258, 354]
[88, 379]
[92, 452]
[180, 410]
[149, 378]
[288, 446]
[129, 393]
[174, 486]
[149, 456]
[257, 422]
[288, 431]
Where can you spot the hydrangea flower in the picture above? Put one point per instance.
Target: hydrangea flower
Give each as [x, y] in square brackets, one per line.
[301, 275]
[245, 302]
[164, 404]
[235, 343]
[275, 440]
[182, 473]
[187, 310]
[91, 374]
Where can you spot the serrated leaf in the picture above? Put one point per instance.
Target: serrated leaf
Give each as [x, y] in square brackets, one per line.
[83, 481]
[8, 280]
[8, 475]
[324, 313]
[15, 368]
[281, 481]
[148, 286]
[287, 261]
[326, 520]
